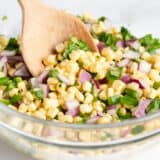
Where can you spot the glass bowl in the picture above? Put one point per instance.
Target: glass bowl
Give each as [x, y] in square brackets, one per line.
[121, 140]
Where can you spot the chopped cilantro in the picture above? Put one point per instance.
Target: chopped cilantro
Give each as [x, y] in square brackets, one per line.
[39, 94]
[12, 45]
[15, 99]
[150, 43]
[109, 39]
[137, 130]
[101, 19]
[126, 35]
[53, 73]
[75, 44]
[114, 74]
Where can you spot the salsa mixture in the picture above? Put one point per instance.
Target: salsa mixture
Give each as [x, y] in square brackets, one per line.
[119, 82]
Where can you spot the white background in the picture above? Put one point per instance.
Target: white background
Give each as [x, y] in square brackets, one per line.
[142, 14]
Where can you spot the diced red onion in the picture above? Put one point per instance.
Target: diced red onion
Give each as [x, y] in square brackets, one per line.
[43, 77]
[126, 78]
[84, 76]
[103, 81]
[138, 82]
[133, 44]
[96, 85]
[111, 110]
[64, 79]
[72, 104]
[141, 109]
[8, 53]
[3, 61]
[12, 60]
[34, 82]
[101, 46]
[72, 107]
[131, 55]
[144, 66]
[45, 89]
[93, 120]
[121, 44]
[22, 71]
[123, 63]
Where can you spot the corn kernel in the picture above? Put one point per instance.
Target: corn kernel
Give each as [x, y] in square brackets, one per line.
[105, 119]
[154, 75]
[87, 86]
[108, 54]
[85, 108]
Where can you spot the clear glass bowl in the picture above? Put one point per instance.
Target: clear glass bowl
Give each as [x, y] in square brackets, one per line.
[46, 139]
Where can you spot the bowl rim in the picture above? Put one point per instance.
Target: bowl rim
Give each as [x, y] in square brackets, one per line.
[58, 124]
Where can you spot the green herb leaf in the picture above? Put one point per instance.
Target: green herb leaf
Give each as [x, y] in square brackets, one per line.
[12, 45]
[156, 85]
[129, 100]
[132, 93]
[150, 43]
[137, 130]
[153, 106]
[123, 114]
[39, 94]
[4, 81]
[4, 18]
[53, 73]
[75, 44]
[114, 74]
[126, 35]
[109, 39]
[102, 19]
[114, 99]
[15, 99]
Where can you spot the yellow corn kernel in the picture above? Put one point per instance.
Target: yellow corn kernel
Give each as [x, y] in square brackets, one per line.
[50, 60]
[118, 86]
[157, 65]
[87, 86]
[108, 54]
[13, 92]
[3, 42]
[154, 75]
[118, 55]
[32, 107]
[133, 86]
[145, 55]
[85, 108]
[88, 98]
[98, 28]
[150, 93]
[52, 113]
[52, 95]
[110, 92]
[52, 81]
[29, 96]
[103, 95]
[50, 103]
[22, 86]
[39, 114]
[134, 67]
[11, 71]
[23, 108]
[79, 96]
[77, 119]
[60, 48]
[98, 106]
[105, 119]
[75, 55]
[2, 74]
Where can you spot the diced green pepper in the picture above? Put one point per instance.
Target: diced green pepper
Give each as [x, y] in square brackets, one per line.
[123, 114]
[15, 99]
[132, 93]
[5, 101]
[129, 100]
[39, 94]
[153, 106]
[114, 74]
[114, 99]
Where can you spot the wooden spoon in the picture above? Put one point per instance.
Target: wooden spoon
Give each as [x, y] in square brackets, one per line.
[43, 29]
